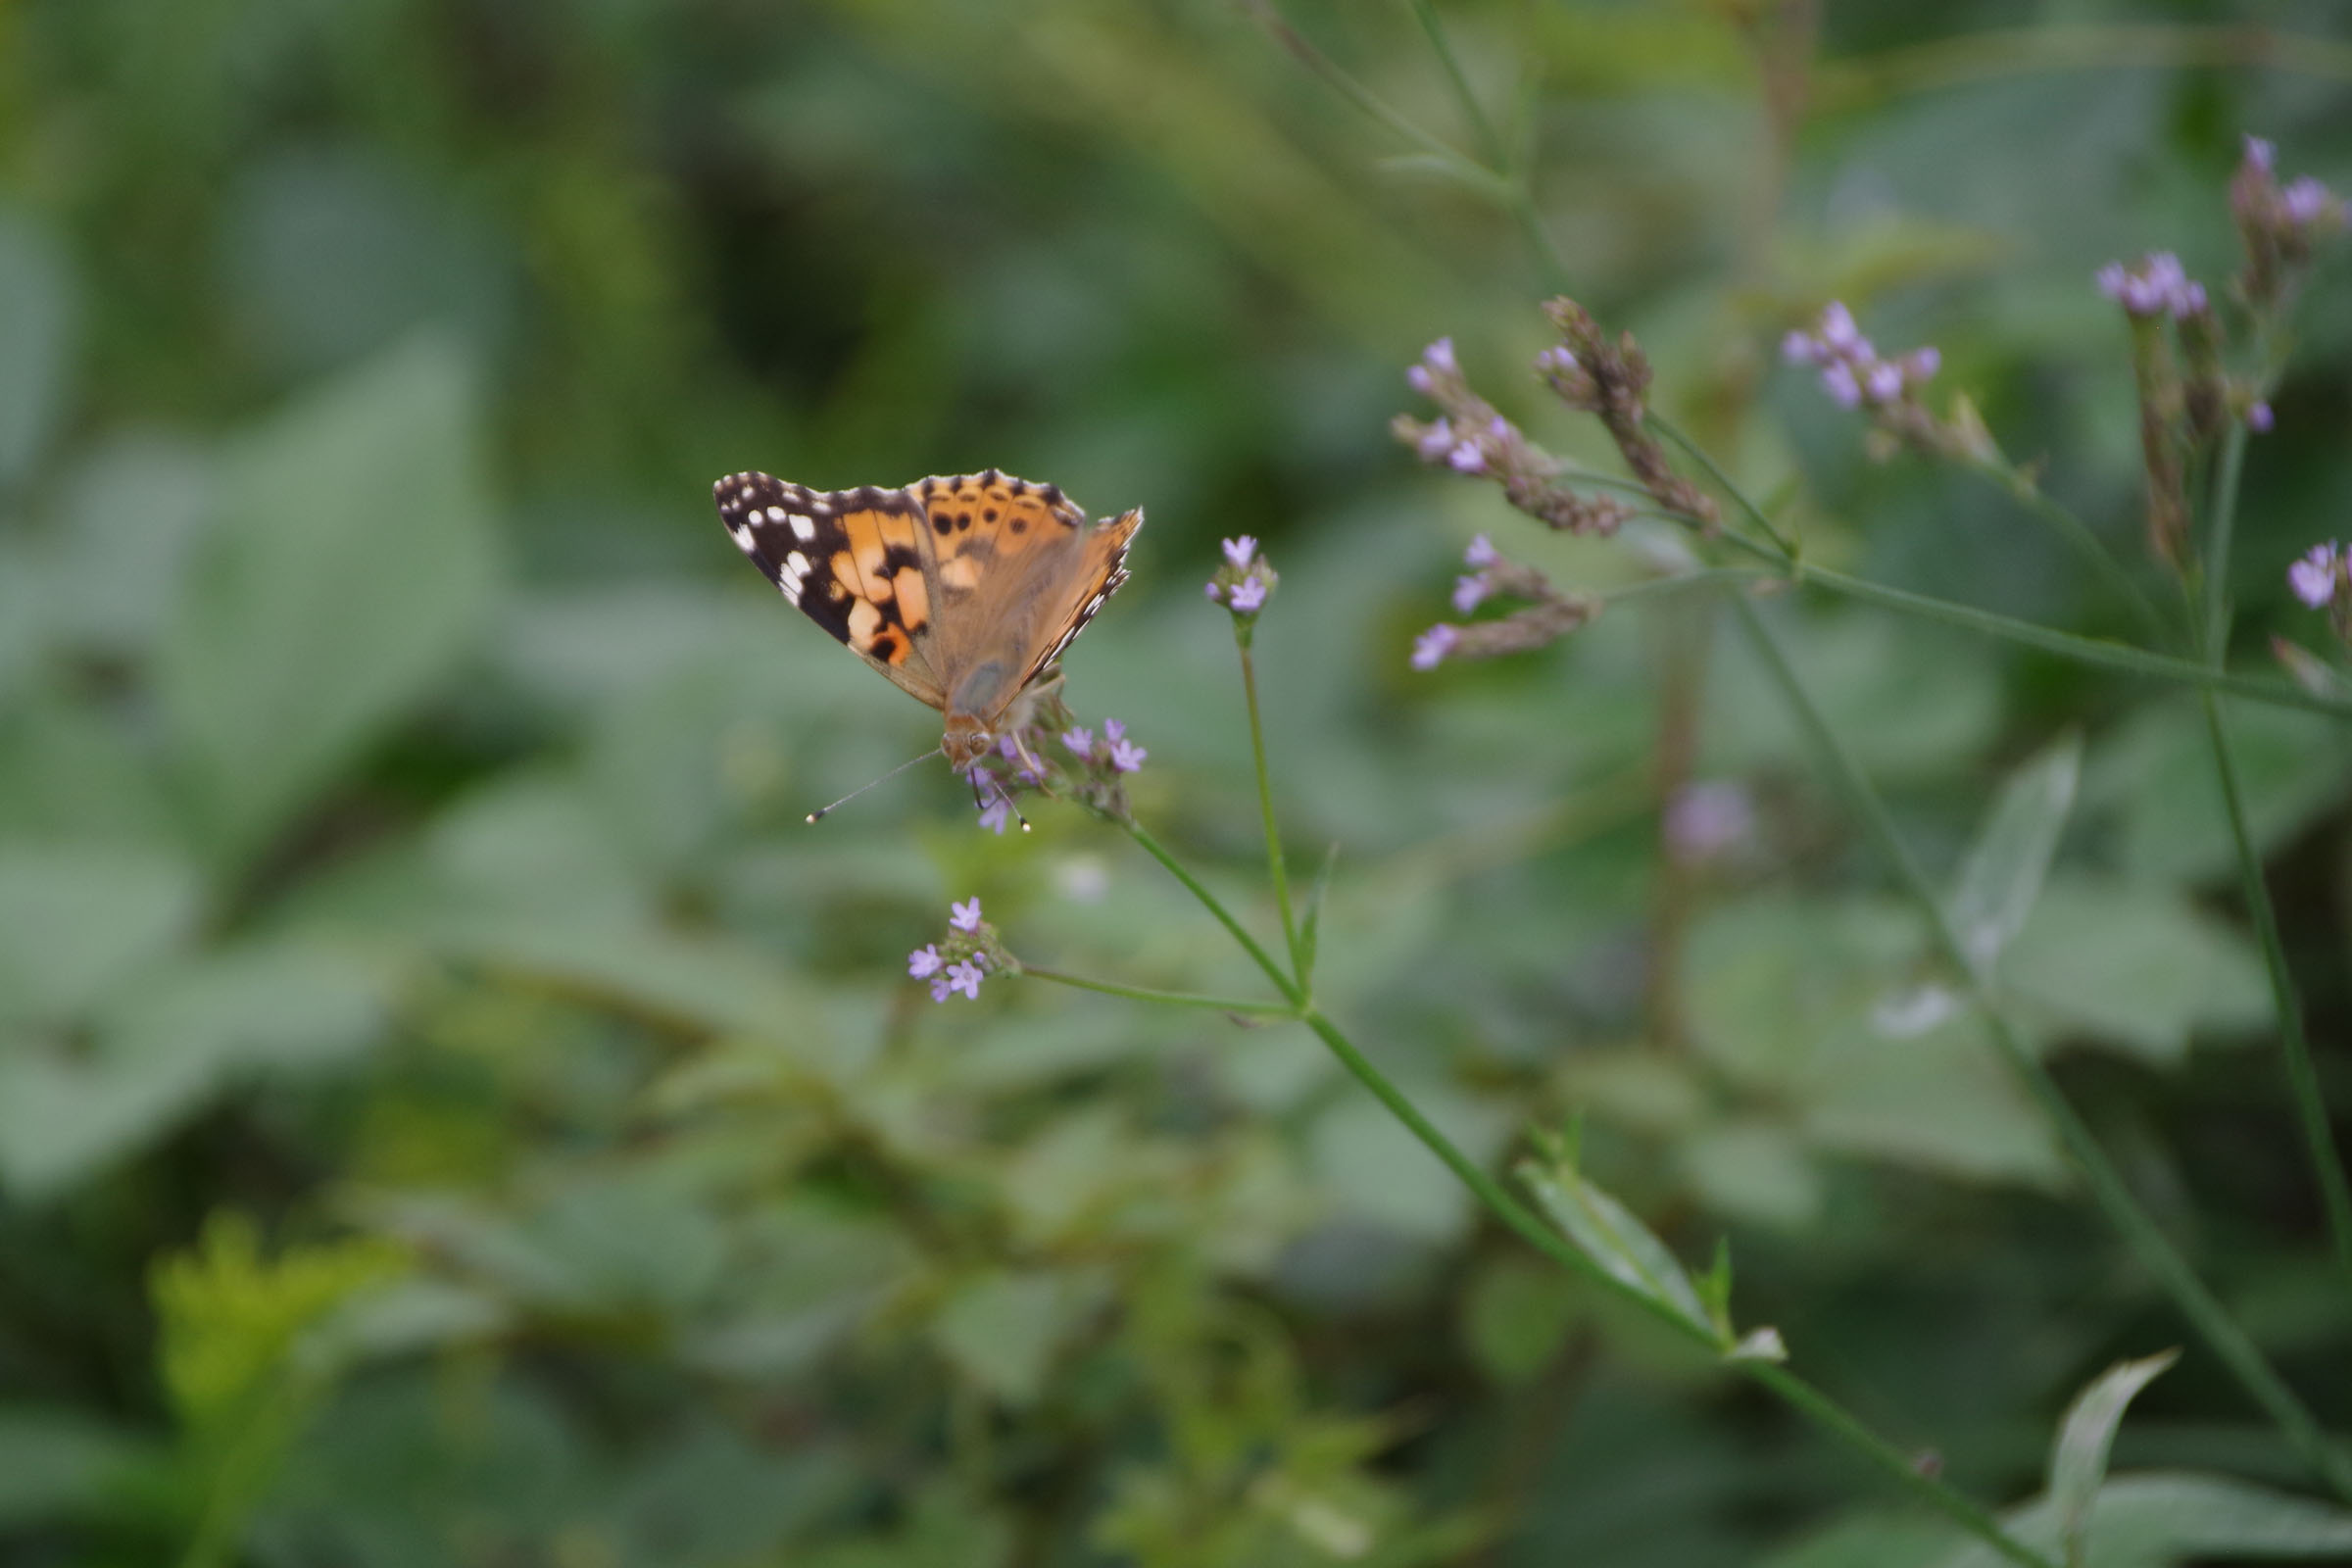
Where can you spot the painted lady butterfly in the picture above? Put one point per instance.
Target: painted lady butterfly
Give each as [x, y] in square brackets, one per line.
[962, 591]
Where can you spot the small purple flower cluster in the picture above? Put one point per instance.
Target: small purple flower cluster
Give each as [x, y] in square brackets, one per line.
[1241, 585]
[2158, 287]
[1707, 818]
[2321, 575]
[1550, 616]
[2280, 225]
[1852, 372]
[1021, 762]
[1117, 752]
[971, 953]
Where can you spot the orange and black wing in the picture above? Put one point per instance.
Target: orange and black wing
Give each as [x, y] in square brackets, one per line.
[856, 561]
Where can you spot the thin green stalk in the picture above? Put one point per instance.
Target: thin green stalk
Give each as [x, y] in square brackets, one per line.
[1209, 900]
[1723, 481]
[2083, 650]
[1177, 999]
[1466, 168]
[1814, 1404]
[2302, 1075]
[2140, 1232]
[2215, 631]
[2079, 536]
[1265, 809]
[1497, 156]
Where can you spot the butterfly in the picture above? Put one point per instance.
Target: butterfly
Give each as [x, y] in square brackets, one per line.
[963, 591]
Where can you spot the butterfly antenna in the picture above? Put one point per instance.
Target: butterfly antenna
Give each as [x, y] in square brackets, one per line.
[980, 801]
[870, 783]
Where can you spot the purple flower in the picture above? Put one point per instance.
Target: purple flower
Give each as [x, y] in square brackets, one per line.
[1466, 457]
[2260, 153]
[2188, 299]
[964, 916]
[1241, 551]
[1126, 756]
[1433, 645]
[1922, 362]
[1838, 330]
[1008, 747]
[2111, 280]
[1216, 595]
[924, 961]
[1883, 383]
[1557, 360]
[1113, 729]
[1468, 591]
[2313, 577]
[998, 814]
[1434, 442]
[1418, 379]
[965, 977]
[1838, 382]
[2259, 419]
[1706, 818]
[1438, 357]
[1481, 553]
[1802, 347]
[1082, 741]
[1248, 596]
[2305, 199]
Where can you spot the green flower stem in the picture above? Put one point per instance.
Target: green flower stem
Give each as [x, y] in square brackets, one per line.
[1209, 900]
[1242, 629]
[2119, 657]
[2079, 536]
[2140, 1232]
[2302, 1076]
[1825, 1412]
[1176, 998]
[1723, 483]
[1497, 156]
[1468, 169]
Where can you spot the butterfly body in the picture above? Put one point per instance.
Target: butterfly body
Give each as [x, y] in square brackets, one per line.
[962, 591]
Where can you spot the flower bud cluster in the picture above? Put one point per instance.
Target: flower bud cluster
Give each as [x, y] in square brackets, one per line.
[2322, 577]
[2280, 225]
[1471, 438]
[1611, 379]
[1243, 584]
[1892, 391]
[1027, 759]
[967, 954]
[1550, 616]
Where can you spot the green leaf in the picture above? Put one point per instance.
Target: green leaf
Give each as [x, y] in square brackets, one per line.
[275, 1007]
[2135, 966]
[37, 329]
[1001, 1329]
[59, 1461]
[65, 1117]
[2001, 874]
[2161, 1518]
[2156, 774]
[350, 567]
[1607, 1233]
[79, 920]
[2078, 1459]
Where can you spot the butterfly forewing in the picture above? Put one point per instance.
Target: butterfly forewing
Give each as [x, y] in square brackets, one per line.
[856, 561]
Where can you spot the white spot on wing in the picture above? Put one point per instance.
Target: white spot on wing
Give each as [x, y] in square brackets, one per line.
[803, 528]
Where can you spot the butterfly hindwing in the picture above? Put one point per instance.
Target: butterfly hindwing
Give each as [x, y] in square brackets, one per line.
[856, 561]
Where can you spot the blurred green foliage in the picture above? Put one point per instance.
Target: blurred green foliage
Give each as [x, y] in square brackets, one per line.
[453, 1110]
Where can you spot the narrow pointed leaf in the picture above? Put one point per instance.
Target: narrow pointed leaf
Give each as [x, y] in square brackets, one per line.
[1607, 1232]
[2078, 1460]
[2003, 872]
